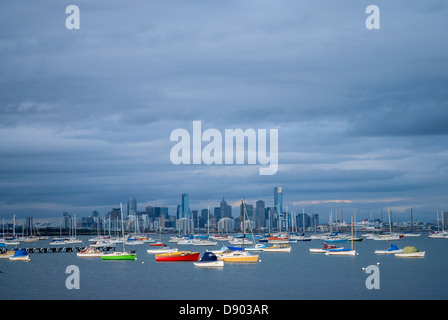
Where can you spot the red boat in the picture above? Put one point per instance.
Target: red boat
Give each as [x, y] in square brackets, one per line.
[178, 256]
[157, 244]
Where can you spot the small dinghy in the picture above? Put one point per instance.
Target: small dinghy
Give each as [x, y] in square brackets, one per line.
[209, 260]
[392, 250]
[20, 255]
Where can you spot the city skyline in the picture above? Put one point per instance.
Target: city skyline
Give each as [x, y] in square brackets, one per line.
[86, 114]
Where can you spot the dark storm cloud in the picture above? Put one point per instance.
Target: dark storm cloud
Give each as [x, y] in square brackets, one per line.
[86, 115]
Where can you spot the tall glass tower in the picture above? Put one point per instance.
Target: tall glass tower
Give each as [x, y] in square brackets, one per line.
[185, 205]
[278, 200]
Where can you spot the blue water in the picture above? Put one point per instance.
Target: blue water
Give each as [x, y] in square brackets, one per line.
[295, 275]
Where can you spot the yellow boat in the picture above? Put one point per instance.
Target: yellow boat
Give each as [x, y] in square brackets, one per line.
[7, 254]
[238, 257]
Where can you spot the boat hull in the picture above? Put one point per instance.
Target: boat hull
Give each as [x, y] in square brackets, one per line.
[178, 256]
[277, 249]
[411, 255]
[119, 256]
[238, 258]
[159, 251]
[209, 264]
[341, 253]
[388, 252]
[322, 250]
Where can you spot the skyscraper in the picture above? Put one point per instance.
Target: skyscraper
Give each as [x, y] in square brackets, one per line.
[185, 205]
[226, 210]
[260, 218]
[278, 199]
[132, 207]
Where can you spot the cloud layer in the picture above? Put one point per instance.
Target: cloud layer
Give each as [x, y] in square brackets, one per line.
[86, 115]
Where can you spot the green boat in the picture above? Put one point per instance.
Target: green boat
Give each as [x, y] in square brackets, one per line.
[119, 256]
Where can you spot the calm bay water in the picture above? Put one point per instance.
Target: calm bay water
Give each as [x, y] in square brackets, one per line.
[279, 276]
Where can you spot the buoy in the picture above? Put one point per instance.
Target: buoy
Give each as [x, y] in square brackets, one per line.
[377, 263]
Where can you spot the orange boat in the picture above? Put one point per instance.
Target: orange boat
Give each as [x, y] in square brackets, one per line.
[178, 256]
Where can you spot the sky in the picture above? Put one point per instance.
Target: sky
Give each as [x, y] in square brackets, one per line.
[86, 114]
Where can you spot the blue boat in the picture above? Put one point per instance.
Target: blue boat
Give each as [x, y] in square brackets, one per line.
[20, 255]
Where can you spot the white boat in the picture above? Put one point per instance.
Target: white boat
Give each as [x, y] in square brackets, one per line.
[392, 250]
[31, 239]
[341, 252]
[209, 260]
[388, 237]
[438, 235]
[186, 241]
[411, 234]
[301, 237]
[20, 255]
[205, 243]
[164, 249]
[11, 243]
[221, 238]
[410, 252]
[134, 242]
[257, 247]
[102, 244]
[175, 239]
[278, 248]
[57, 242]
[419, 254]
[72, 241]
[89, 252]
[117, 240]
[325, 248]
[239, 241]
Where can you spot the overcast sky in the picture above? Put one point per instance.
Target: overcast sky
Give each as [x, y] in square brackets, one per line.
[86, 115]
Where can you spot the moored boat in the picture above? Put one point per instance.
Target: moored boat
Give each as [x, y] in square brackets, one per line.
[89, 252]
[325, 248]
[238, 256]
[209, 260]
[178, 256]
[157, 244]
[341, 252]
[163, 249]
[278, 248]
[7, 254]
[204, 242]
[410, 252]
[20, 255]
[392, 250]
[119, 255]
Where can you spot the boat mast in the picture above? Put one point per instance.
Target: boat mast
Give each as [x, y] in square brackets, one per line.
[244, 214]
[390, 221]
[122, 226]
[352, 231]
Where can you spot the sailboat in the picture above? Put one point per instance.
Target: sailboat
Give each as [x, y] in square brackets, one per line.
[390, 236]
[239, 256]
[120, 255]
[342, 252]
[72, 239]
